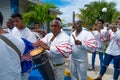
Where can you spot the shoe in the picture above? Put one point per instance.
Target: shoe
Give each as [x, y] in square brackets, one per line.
[91, 69]
[97, 79]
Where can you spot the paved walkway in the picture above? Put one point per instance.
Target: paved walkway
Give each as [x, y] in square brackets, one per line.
[93, 74]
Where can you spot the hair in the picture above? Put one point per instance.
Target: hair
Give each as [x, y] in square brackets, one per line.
[57, 18]
[16, 15]
[57, 21]
[1, 19]
[101, 21]
[118, 18]
[9, 19]
[36, 23]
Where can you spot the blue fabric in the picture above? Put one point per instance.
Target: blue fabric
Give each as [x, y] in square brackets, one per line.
[35, 75]
[100, 58]
[67, 78]
[27, 65]
[116, 61]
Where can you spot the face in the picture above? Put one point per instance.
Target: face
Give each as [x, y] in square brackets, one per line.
[118, 22]
[78, 26]
[18, 22]
[114, 29]
[36, 26]
[100, 24]
[10, 24]
[55, 27]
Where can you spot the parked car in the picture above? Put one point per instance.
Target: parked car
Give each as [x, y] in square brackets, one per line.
[68, 30]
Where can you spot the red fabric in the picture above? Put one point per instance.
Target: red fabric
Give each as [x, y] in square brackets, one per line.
[65, 49]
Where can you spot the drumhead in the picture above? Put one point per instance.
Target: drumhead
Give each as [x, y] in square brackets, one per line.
[36, 51]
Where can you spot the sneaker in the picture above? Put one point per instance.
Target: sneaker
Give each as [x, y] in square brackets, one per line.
[91, 69]
[97, 79]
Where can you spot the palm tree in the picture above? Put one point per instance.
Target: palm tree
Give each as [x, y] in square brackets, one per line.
[38, 13]
[93, 12]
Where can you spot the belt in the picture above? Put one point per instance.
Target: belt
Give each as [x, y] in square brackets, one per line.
[59, 64]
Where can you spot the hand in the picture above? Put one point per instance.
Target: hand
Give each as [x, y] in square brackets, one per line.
[77, 42]
[41, 44]
[36, 44]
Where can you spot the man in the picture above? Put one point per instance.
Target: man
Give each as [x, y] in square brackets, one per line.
[23, 32]
[118, 23]
[39, 33]
[10, 67]
[112, 52]
[9, 25]
[20, 30]
[82, 41]
[57, 43]
[101, 36]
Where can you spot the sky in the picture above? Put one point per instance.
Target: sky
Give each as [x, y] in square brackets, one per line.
[68, 6]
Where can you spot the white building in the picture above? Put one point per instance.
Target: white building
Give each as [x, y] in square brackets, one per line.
[8, 7]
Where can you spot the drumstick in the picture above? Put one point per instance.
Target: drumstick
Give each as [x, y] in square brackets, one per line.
[73, 37]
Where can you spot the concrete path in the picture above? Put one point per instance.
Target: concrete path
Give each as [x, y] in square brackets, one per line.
[93, 74]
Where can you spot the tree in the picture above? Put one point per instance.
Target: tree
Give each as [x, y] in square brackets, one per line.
[38, 13]
[93, 11]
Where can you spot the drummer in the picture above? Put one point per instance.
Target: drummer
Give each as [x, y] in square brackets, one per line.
[54, 42]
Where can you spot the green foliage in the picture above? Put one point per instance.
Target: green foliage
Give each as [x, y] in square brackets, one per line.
[115, 17]
[93, 11]
[38, 13]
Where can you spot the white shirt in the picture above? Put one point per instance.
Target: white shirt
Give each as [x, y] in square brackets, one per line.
[10, 68]
[101, 38]
[8, 30]
[24, 33]
[114, 45]
[56, 56]
[37, 35]
[79, 52]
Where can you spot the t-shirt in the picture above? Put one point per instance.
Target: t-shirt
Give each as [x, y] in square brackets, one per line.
[10, 68]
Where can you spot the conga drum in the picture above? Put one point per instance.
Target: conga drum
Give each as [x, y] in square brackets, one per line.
[42, 62]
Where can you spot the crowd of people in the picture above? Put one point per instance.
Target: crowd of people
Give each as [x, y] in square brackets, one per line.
[59, 46]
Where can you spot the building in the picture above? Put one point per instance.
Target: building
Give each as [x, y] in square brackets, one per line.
[8, 7]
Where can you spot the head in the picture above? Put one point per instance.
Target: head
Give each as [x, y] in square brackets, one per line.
[118, 21]
[1, 19]
[78, 26]
[114, 27]
[100, 23]
[36, 26]
[55, 27]
[18, 20]
[57, 18]
[9, 23]
[95, 28]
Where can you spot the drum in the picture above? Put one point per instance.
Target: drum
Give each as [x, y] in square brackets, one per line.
[42, 62]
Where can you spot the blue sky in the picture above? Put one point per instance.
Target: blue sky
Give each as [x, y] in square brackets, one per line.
[59, 3]
[68, 6]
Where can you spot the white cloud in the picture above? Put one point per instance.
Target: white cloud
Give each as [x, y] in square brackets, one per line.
[75, 5]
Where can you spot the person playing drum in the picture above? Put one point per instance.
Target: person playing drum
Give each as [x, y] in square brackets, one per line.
[57, 43]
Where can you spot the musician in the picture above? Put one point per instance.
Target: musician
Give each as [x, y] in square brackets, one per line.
[23, 32]
[10, 67]
[57, 42]
[82, 41]
[101, 35]
[9, 25]
[112, 53]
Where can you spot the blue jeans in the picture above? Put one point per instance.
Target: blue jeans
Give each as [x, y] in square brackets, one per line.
[100, 58]
[116, 61]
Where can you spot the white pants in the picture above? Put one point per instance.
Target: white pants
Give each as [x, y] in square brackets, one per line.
[78, 70]
[59, 72]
